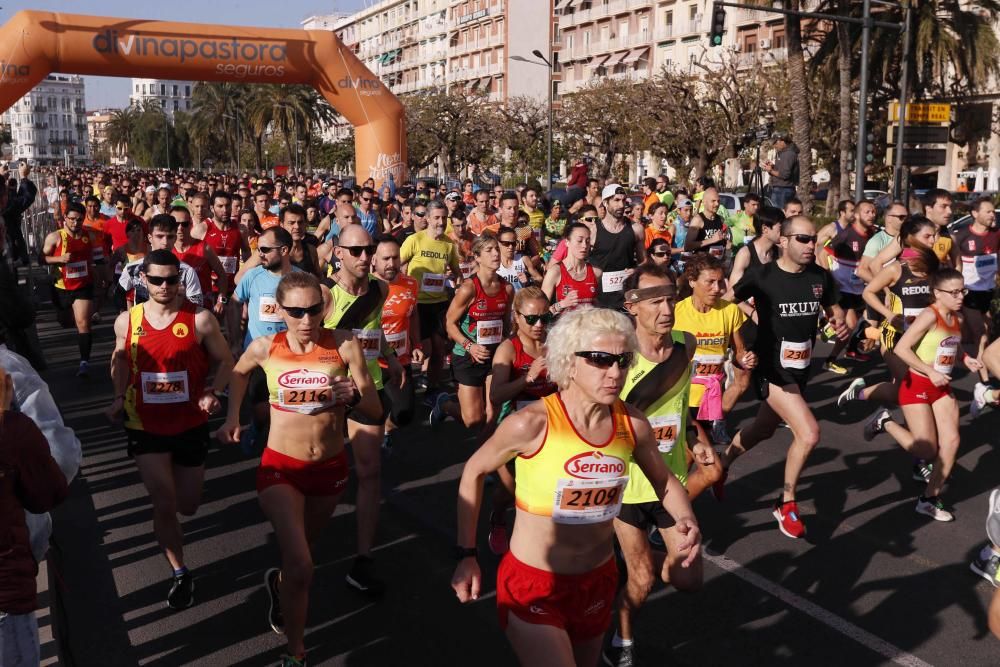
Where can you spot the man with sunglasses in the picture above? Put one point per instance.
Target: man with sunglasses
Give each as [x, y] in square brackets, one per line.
[70, 249]
[356, 302]
[618, 247]
[789, 294]
[893, 220]
[120, 217]
[368, 212]
[164, 351]
[658, 384]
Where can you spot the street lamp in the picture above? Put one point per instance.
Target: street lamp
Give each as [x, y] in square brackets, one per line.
[547, 63]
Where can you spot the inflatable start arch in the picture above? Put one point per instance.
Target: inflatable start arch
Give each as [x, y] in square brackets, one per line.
[35, 44]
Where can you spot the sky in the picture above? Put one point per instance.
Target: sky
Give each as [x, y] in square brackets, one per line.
[103, 91]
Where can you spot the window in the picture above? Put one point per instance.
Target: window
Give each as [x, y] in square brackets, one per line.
[163, 89]
[175, 90]
[163, 104]
[187, 91]
[692, 12]
[569, 42]
[586, 40]
[623, 32]
[177, 105]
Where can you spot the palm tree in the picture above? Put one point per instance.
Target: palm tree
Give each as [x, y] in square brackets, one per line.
[283, 108]
[219, 105]
[121, 128]
[319, 114]
[799, 91]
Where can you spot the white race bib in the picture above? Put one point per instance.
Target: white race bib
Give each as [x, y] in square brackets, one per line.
[371, 340]
[76, 270]
[717, 251]
[665, 430]
[158, 388]
[269, 310]
[588, 500]
[947, 353]
[399, 342]
[489, 332]
[706, 365]
[98, 253]
[613, 281]
[432, 283]
[230, 264]
[467, 268]
[306, 400]
[796, 355]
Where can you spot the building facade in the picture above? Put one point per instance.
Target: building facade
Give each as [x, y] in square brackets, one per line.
[171, 95]
[48, 125]
[97, 133]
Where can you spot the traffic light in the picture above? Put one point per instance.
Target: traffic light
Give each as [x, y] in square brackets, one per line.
[718, 24]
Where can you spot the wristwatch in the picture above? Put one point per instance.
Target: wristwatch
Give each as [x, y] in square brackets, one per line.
[224, 300]
[461, 553]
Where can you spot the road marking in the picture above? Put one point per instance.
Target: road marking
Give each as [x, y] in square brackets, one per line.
[827, 618]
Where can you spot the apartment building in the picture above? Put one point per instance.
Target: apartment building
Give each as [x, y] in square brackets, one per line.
[48, 125]
[97, 133]
[171, 95]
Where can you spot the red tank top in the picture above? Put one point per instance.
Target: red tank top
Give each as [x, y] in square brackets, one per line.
[227, 245]
[586, 289]
[194, 257]
[483, 323]
[77, 273]
[542, 386]
[167, 374]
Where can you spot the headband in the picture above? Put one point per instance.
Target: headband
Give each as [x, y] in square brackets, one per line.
[636, 295]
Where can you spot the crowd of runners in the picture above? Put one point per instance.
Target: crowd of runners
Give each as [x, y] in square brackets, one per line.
[594, 341]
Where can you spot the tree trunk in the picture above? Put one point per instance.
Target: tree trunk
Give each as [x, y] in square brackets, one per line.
[844, 74]
[258, 152]
[801, 120]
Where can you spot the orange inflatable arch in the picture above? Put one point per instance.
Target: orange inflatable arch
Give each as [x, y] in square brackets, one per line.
[36, 44]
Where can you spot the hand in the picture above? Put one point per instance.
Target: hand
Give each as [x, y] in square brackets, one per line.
[938, 379]
[219, 308]
[62, 259]
[570, 300]
[840, 328]
[480, 353]
[898, 322]
[703, 454]
[209, 403]
[973, 364]
[522, 278]
[688, 527]
[749, 360]
[343, 389]
[396, 374]
[535, 370]
[4, 170]
[467, 580]
[229, 432]
[417, 355]
[114, 411]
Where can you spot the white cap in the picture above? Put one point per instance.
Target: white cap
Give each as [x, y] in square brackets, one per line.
[610, 190]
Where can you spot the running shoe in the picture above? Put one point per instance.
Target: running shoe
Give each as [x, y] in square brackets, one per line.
[857, 356]
[291, 661]
[922, 471]
[619, 656]
[84, 370]
[720, 436]
[993, 517]
[876, 424]
[437, 412]
[95, 318]
[828, 334]
[787, 514]
[934, 508]
[387, 443]
[851, 393]
[181, 595]
[834, 367]
[979, 399]
[274, 616]
[987, 568]
[362, 577]
[499, 538]
[719, 488]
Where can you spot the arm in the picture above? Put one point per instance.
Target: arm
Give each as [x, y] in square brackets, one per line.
[888, 253]
[694, 227]
[350, 351]
[873, 293]
[239, 379]
[532, 270]
[464, 295]
[640, 242]
[222, 278]
[416, 345]
[520, 433]
[740, 263]
[503, 388]
[192, 286]
[207, 328]
[49, 247]
[322, 228]
[119, 367]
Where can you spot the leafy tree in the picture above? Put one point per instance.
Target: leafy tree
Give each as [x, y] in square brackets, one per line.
[603, 119]
[523, 131]
[456, 125]
[121, 128]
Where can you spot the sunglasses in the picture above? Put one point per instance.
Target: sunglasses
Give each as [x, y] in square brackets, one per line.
[366, 199]
[263, 249]
[298, 312]
[590, 218]
[508, 244]
[159, 280]
[532, 320]
[186, 223]
[605, 360]
[74, 219]
[420, 214]
[804, 239]
[356, 250]
[660, 253]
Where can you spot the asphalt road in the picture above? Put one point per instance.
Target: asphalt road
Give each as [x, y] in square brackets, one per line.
[874, 583]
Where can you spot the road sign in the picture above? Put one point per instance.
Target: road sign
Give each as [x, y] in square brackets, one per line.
[924, 157]
[921, 134]
[922, 112]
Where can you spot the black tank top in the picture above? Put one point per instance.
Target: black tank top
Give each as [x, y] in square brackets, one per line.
[306, 264]
[911, 290]
[612, 252]
[755, 258]
[713, 228]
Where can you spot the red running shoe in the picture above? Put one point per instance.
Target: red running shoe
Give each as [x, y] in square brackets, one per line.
[499, 540]
[787, 514]
[719, 488]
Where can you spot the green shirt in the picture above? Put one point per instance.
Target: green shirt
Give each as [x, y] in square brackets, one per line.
[369, 334]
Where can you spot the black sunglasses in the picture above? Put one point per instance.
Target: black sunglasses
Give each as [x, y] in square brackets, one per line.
[298, 312]
[420, 214]
[590, 218]
[263, 249]
[159, 280]
[605, 360]
[532, 320]
[508, 244]
[356, 250]
[804, 239]
[660, 253]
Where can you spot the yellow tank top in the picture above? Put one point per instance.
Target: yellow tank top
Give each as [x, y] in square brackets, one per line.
[572, 480]
[939, 346]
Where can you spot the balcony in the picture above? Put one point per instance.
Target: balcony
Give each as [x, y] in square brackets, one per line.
[664, 33]
[477, 45]
[41, 126]
[467, 73]
[613, 8]
[456, 22]
[581, 51]
[763, 57]
[40, 108]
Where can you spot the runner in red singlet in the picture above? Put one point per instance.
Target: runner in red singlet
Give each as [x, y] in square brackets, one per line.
[200, 257]
[230, 247]
[573, 281]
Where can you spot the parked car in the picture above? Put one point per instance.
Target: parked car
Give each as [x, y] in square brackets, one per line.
[733, 201]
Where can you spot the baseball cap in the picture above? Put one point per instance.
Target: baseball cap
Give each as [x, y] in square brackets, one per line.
[611, 190]
[684, 202]
[150, 188]
[453, 196]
